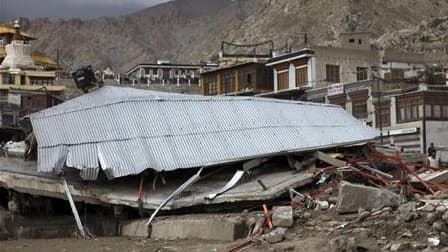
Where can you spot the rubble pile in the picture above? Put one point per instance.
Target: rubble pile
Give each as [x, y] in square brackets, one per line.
[387, 207]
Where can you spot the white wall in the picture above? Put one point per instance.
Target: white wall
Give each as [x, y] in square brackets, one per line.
[292, 76]
[437, 133]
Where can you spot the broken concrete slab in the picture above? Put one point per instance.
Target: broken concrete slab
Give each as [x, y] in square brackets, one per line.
[283, 216]
[351, 197]
[204, 227]
[434, 177]
[135, 228]
[22, 177]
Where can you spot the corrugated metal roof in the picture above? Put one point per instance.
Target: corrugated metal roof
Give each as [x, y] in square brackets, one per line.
[125, 131]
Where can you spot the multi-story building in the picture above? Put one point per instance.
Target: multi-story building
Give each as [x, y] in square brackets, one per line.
[22, 70]
[241, 70]
[247, 78]
[384, 90]
[166, 73]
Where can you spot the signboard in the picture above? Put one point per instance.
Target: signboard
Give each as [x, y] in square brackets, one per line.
[14, 99]
[403, 131]
[335, 89]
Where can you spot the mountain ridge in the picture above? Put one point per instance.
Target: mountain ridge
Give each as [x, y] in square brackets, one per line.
[192, 30]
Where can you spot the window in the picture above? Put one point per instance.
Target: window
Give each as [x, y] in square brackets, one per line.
[351, 40]
[228, 83]
[301, 76]
[359, 108]
[332, 73]
[359, 41]
[409, 110]
[339, 100]
[436, 106]
[437, 112]
[361, 73]
[8, 79]
[246, 77]
[41, 81]
[428, 110]
[382, 115]
[397, 74]
[7, 120]
[283, 80]
[210, 85]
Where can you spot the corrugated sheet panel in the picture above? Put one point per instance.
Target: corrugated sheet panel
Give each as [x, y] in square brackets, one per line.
[124, 131]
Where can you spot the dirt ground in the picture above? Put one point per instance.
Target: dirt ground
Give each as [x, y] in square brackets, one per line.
[117, 244]
[113, 244]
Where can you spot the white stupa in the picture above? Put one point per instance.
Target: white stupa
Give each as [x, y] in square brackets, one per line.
[18, 53]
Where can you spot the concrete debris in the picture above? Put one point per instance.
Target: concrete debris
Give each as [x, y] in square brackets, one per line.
[408, 211]
[282, 216]
[353, 196]
[204, 227]
[15, 149]
[276, 235]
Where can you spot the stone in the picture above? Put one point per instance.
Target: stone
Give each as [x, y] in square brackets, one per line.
[438, 226]
[431, 218]
[343, 243]
[283, 216]
[443, 239]
[322, 205]
[441, 209]
[400, 246]
[276, 235]
[408, 211]
[332, 200]
[307, 215]
[445, 217]
[353, 196]
[363, 215]
[428, 208]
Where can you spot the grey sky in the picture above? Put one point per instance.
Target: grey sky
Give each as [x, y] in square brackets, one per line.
[10, 9]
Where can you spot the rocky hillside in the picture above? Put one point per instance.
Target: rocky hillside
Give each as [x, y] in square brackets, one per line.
[430, 36]
[191, 30]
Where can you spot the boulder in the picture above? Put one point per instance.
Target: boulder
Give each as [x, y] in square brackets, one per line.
[283, 216]
[351, 197]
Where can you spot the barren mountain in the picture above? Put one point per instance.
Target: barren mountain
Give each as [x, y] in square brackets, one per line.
[191, 30]
[430, 36]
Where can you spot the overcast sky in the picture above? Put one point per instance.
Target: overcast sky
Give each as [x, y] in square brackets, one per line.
[10, 9]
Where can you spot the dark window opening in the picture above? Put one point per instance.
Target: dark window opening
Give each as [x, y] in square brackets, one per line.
[332, 72]
[351, 40]
[361, 73]
[8, 79]
[359, 109]
[359, 41]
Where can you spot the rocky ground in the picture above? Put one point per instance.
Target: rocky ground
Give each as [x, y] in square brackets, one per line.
[411, 227]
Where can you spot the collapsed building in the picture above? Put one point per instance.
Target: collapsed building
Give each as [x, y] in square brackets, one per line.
[124, 148]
